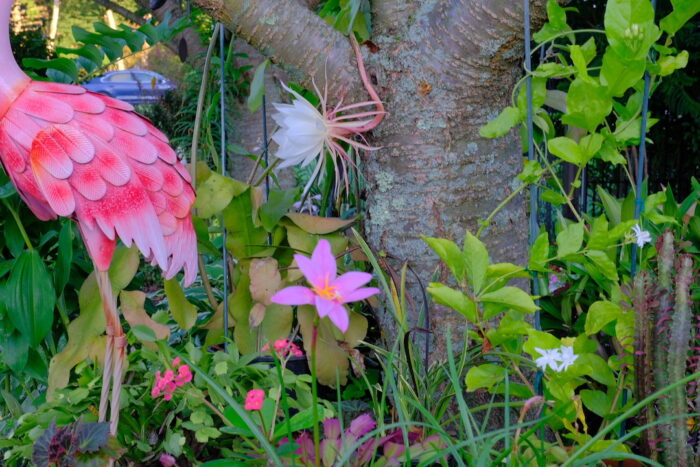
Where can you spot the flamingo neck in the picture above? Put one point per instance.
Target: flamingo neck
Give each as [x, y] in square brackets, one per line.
[12, 78]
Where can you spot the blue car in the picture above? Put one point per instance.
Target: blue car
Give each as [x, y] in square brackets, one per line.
[132, 86]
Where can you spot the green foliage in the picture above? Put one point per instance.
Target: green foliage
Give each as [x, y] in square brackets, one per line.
[104, 45]
[348, 16]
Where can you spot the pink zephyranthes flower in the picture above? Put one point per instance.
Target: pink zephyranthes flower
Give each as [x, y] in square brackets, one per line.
[328, 293]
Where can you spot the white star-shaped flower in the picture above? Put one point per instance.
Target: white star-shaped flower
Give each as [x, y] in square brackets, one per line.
[642, 237]
[550, 357]
[567, 357]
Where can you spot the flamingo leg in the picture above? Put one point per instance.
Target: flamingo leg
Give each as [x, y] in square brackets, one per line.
[114, 352]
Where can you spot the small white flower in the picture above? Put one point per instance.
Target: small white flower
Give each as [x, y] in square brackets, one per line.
[550, 357]
[642, 237]
[568, 357]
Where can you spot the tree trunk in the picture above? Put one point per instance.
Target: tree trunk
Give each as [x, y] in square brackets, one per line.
[443, 68]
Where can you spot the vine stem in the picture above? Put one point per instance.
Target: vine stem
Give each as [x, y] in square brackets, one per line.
[508, 199]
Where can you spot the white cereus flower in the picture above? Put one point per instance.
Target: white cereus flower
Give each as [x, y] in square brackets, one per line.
[306, 134]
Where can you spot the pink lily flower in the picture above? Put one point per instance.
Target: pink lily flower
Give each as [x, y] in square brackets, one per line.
[328, 293]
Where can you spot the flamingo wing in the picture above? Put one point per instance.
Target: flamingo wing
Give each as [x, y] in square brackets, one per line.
[92, 158]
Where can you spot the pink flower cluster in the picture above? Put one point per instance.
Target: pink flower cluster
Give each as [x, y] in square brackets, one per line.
[168, 382]
[254, 399]
[284, 347]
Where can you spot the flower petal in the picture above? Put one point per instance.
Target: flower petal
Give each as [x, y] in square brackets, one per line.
[311, 270]
[350, 281]
[323, 257]
[360, 294]
[335, 312]
[295, 295]
[323, 306]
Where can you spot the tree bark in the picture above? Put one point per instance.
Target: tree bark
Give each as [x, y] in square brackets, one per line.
[444, 68]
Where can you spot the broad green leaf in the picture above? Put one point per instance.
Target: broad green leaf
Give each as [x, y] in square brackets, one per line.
[683, 11]
[569, 240]
[450, 254]
[600, 314]
[539, 93]
[587, 105]
[553, 197]
[539, 340]
[215, 193]
[454, 299]
[612, 206]
[184, 313]
[244, 239]
[604, 264]
[507, 119]
[556, 23]
[276, 207]
[512, 297]
[618, 75]
[601, 370]
[609, 153]
[666, 65]
[579, 61]
[596, 401]
[630, 28]
[476, 261]
[532, 172]
[484, 376]
[590, 145]
[30, 297]
[257, 87]
[598, 238]
[240, 305]
[567, 149]
[333, 359]
[539, 253]
[64, 65]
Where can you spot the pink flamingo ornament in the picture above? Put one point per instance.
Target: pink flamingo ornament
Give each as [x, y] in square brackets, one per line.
[77, 154]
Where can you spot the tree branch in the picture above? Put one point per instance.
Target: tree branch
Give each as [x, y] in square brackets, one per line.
[128, 14]
[294, 37]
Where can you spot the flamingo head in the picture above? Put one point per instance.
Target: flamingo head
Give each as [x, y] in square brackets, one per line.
[12, 79]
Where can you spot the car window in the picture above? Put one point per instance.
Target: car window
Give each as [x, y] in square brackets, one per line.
[143, 77]
[119, 77]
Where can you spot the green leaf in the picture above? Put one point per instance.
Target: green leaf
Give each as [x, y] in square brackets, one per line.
[532, 172]
[569, 240]
[277, 206]
[450, 254]
[91, 437]
[64, 65]
[215, 193]
[539, 93]
[609, 153]
[596, 401]
[144, 333]
[666, 65]
[183, 312]
[587, 105]
[612, 206]
[454, 299]
[618, 75]
[476, 260]
[566, 149]
[683, 11]
[64, 259]
[484, 376]
[30, 297]
[579, 61]
[630, 28]
[553, 197]
[257, 87]
[507, 119]
[245, 239]
[590, 145]
[539, 253]
[600, 314]
[556, 24]
[601, 370]
[512, 297]
[604, 264]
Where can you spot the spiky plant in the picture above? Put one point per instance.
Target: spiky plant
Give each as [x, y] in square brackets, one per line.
[664, 332]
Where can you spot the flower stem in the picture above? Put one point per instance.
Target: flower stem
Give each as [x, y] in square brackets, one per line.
[20, 226]
[314, 395]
